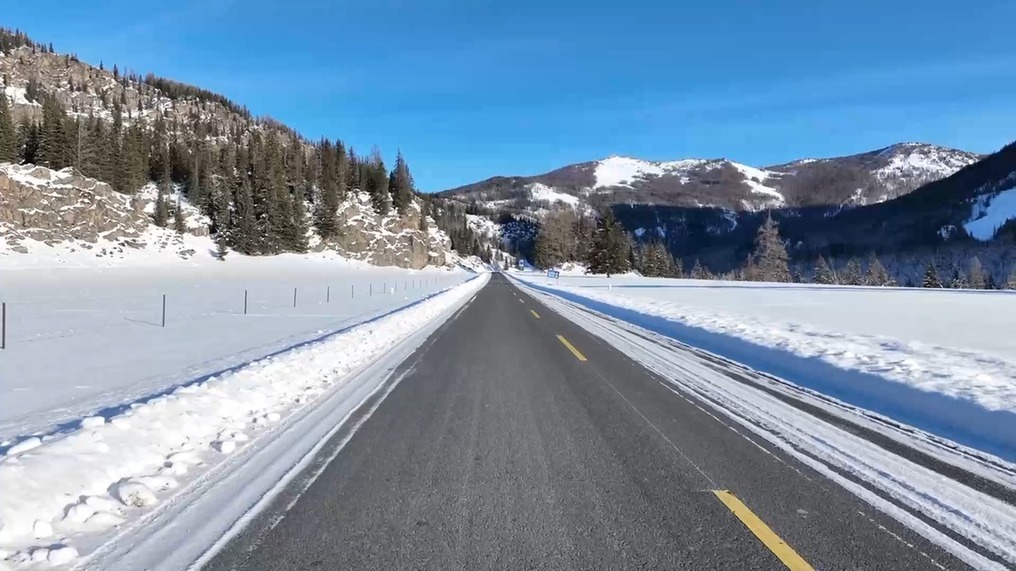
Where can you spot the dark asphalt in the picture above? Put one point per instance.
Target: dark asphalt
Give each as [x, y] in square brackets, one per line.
[499, 449]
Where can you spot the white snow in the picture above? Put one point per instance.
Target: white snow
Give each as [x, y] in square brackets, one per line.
[902, 335]
[620, 171]
[918, 159]
[910, 490]
[989, 212]
[83, 339]
[755, 177]
[483, 226]
[176, 445]
[542, 192]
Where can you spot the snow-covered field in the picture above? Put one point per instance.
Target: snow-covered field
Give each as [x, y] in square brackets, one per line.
[111, 420]
[84, 340]
[941, 360]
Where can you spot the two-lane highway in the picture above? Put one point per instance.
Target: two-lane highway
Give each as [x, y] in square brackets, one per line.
[514, 439]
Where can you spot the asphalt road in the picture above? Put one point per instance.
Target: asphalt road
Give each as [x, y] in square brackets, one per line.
[500, 448]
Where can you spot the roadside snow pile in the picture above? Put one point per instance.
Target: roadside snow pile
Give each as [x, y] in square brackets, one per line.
[921, 338]
[64, 493]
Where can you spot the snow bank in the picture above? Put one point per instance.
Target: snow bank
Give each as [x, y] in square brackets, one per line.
[105, 324]
[908, 336]
[72, 488]
[912, 355]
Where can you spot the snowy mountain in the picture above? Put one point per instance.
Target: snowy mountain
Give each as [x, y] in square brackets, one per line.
[854, 180]
[99, 160]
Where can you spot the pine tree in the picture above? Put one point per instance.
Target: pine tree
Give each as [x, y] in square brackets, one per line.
[221, 246]
[28, 141]
[823, 275]
[698, 272]
[958, 281]
[53, 145]
[931, 277]
[377, 183]
[611, 250]
[852, 273]
[1011, 282]
[877, 274]
[179, 224]
[243, 230]
[161, 215]
[8, 134]
[400, 184]
[327, 202]
[770, 255]
[978, 277]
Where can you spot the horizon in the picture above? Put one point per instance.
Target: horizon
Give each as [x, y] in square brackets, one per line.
[828, 105]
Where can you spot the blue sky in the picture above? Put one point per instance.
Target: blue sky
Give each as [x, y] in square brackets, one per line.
[474, 88]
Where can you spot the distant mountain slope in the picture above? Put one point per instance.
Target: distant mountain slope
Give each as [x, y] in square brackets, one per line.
[854, 180]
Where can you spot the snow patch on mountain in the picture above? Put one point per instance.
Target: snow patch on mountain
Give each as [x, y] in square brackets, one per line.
[483, 226]
[990, 211]
[620, 171]
[542, 192]
[754, 178]
[907, 160]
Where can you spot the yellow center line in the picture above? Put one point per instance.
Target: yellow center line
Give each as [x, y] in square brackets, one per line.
[536, 315]
[780, 549]
[571, 348]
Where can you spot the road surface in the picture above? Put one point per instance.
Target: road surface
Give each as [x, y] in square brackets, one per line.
[513, 439]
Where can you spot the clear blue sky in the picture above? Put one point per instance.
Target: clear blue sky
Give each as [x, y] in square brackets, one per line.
[473, 88]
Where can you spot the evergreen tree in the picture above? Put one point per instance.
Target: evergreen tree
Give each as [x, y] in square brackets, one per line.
[877, 274]
[118, 161]
[1011, 282]
[244, 229]
[852, 273]
[931, 277]
[377, 183]
[770, 255]
[179, 224]
[8, 134]
[161, 215]
[400, 184]
[698, 272]
[221, 246]
[959, 281]
[28, 141]
[53, 146]
[978, 277]
[611, 250]
[823, 275]
[327, 202]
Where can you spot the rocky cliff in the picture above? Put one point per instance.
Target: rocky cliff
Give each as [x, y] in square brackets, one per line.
[43, 209]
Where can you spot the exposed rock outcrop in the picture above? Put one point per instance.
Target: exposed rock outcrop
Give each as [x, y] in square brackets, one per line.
[390, 240]
[54, 206]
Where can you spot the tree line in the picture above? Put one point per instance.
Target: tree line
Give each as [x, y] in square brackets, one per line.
[606, 248]
[257, 185]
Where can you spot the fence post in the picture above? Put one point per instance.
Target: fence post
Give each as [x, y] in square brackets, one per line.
[3, 325]
[163, 310]
[352, 291]
[328, 295]
[245, 302]
[372, 288]
[294, 297]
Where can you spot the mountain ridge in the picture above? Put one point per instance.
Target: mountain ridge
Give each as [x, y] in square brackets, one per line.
[861, 178]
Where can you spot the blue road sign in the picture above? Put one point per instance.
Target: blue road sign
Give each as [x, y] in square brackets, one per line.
[553, 274]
